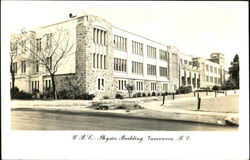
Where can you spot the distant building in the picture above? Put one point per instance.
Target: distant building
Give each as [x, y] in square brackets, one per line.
[106, 58]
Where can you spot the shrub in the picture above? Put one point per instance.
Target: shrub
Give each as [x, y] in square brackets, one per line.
[48, 94]
[106, 97]
[143, 94]
[118, 96]
[153, 94]
[64, 94]
[229, 85]
[85, 96]
[139, 94]
[16, 94]
[216, 88]
[149, 94]
[135, 95]
[184, 90]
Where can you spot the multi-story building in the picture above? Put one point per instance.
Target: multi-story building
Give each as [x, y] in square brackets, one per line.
[104, 59]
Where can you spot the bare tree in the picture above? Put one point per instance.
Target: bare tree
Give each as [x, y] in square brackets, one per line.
[13, 57]
[50, 51]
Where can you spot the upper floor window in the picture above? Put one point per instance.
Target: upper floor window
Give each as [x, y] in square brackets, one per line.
[37, 66]
[151, 52]
[120, 43]
[137, 48]
[13, 47]
[38, 44]
[99, 36]
[163, 55]
[207, 68]
[23, 66]
[14, 67]
[120, 64]
[163, 71]
[211, 69]
[185, 61]
[23, 44]
[215, 70]
[99, 61]
[48, 40]
[49, 62]
[151, 69]
[137, 67]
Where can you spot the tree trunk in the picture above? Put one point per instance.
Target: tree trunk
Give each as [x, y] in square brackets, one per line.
[53, 86]
[12, 75]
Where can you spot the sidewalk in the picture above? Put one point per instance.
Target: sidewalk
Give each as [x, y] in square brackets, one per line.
[153, 109]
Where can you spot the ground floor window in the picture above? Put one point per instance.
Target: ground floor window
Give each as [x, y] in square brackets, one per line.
[139, 85]
[35, 85]
[153, 86]
[100, 84]
[122, 84]
[165, 87]
[47, 84]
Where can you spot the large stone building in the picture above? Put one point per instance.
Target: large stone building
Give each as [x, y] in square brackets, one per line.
[104, 59]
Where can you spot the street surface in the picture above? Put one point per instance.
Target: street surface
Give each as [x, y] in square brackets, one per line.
[40, 120]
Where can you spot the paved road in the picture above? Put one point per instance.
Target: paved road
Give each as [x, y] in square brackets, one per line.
[40, 120]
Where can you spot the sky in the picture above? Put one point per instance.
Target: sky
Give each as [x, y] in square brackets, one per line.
[196, 28]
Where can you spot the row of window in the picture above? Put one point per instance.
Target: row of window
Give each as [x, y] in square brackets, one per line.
[120, 64]
[48, 61]
[120, 43]
[213, 69]
[99, 61]
[213, 79]
[99, 36]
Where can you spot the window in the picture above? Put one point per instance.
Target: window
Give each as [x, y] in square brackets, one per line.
[48, 40]
[47, 84]
[163, 71]
[120, 64]
[215, 80]
[207, 78]
[120, 43]
[137, 48]
[38, 44]
[215, 70]
[137, 67]
[151, 69]
[37, 66]
[100, 84]
[99, 61]
[13, 48]
[35, 85]
[165, 87]
[23, 66]
[211, 79]
[23, 43]
[185, 61]
[151, 52]
[99, 36]
[207, 68]
[153, 86]
[139, 85]
[122, 84]
[190, 63]
[175, 65]
[181, 60]
[211, 69]
[163, 55]
[14, 67]
[49, 63]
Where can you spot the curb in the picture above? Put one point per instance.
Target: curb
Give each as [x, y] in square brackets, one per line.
[174, 116]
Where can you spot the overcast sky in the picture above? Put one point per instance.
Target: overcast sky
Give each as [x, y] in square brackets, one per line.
[196, 28]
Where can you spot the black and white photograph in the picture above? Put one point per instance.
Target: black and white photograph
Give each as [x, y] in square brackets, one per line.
[125, 80]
